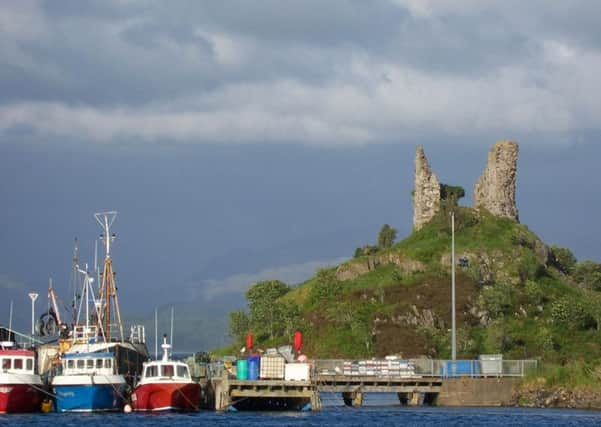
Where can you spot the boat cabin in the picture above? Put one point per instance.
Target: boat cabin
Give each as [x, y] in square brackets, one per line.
[17, 361]
[88, 363]
[166, 370]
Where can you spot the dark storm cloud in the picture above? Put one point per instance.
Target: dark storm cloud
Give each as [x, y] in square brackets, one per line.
[336, 72]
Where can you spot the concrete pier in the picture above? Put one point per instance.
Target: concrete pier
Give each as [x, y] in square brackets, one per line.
[476, 391]
[264, 394]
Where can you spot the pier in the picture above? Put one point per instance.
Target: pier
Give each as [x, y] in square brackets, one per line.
[415, 382]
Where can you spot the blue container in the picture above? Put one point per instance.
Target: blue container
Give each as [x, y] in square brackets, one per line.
[242, 369]
[253, 367]
[460, 368]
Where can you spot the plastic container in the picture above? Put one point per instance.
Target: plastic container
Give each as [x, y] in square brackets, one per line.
[296, 372]
[242, 369]
[272, 367]
[460, 368]
[253, 367]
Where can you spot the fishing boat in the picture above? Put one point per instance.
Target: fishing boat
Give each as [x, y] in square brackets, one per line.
[20, 387]
[102, 331]
[89, 383]
[166, 385]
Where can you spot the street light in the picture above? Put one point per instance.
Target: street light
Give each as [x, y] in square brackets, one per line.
[33, 297]
[453, 326]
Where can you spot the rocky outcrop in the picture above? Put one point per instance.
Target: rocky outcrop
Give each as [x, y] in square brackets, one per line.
[426, 196]
[495, 190]
[537, 394]
[358, 267]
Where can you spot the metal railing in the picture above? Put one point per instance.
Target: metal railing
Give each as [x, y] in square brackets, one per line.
[408, 368]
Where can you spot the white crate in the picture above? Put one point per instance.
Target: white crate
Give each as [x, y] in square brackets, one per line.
[296, 372]
[272, 367]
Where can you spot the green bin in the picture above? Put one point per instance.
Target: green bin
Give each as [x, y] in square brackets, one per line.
[242, 369]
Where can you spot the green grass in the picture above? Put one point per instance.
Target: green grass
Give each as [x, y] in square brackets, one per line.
[576, 374]
[523, 329]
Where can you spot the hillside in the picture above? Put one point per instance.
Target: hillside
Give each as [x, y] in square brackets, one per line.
[515, 296]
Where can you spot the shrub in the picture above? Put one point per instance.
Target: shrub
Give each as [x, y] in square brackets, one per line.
[386, 236]
[563, 259]
[588, 275]
[326, 287]
[571, 312]
[497, 299]
[534, 292]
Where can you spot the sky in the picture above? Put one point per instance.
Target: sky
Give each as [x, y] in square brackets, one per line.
[241, 141]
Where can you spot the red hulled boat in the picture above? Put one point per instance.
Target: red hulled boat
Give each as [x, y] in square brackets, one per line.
[166, 385]
[20, 387]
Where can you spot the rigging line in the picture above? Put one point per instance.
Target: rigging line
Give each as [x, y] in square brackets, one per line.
[34, 386]
[196, 407]
[121, 395]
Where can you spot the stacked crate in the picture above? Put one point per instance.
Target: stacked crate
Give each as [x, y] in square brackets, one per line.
[351, 368]
[272, 367]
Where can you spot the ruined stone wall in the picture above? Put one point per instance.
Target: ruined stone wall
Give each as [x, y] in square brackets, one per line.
[495, 190]
[426, 196]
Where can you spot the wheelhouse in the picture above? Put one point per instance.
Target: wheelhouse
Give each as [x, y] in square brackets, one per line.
[166, 370]
[17, 362]
[88, 364]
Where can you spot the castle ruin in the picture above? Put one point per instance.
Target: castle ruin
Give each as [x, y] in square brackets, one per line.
[494, 191]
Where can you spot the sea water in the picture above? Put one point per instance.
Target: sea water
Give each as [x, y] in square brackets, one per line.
[330, 416]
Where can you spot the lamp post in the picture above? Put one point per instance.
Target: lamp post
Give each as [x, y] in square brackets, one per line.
[33, 297]
[453, 326]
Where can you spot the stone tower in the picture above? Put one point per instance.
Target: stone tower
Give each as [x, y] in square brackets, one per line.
[426, 196]
[495, 190]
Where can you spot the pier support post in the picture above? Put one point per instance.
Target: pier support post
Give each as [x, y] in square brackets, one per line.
[222, 394]
[415, 398]
[358, 400]
[315, 401]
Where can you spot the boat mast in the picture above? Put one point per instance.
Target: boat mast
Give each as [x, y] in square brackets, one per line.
[108, 288]
[73, 281]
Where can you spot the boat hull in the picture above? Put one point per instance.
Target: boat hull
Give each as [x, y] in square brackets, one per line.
[89, 398]
[19, 398]
[166, 396]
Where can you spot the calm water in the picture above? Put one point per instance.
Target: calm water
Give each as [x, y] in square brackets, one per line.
[331, 416]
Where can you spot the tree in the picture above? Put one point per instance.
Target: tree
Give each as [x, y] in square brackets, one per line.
[386, 236]
[326, 287]
[239, 325]
[265, 311]
[563, 259]
[588, 275]
[451, 194]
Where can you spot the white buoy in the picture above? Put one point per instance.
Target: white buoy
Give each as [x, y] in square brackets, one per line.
[127, 408]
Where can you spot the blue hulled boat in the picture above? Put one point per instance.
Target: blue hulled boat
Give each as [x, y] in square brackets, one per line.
[89, 383]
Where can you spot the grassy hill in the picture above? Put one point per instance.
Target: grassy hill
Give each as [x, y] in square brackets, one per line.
[515, 295]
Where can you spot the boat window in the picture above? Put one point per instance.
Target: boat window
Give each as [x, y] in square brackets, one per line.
[182, 371]
[80, 364]
[151, 371]
[18, 364]
[98, 363]
[90, 363]
[6, 363]
[108, 363]
[29, 364]
[167, 370]
[70, 364]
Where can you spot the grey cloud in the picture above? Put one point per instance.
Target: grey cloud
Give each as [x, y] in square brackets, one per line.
[334, 72]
